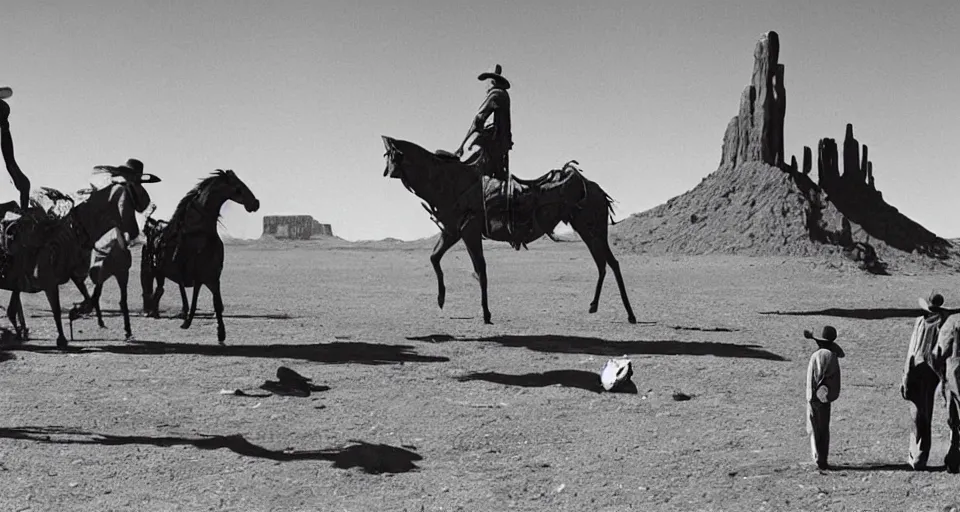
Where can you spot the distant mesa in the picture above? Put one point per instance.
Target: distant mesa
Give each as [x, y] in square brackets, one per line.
[294, 227]
[757, 203]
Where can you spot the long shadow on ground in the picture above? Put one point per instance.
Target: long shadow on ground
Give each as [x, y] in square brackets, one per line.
[602, 347]
[566, 378]
[883, 466]
[861, 313]
[371, 458]
[107, 313]
[334, 353]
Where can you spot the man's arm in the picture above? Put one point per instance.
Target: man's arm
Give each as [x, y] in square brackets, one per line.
[489, 106]
[6, 147]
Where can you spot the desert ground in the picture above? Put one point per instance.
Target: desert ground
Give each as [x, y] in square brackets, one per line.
[429, 409]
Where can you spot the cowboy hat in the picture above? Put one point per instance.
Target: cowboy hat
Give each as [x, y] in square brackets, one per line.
[932, 304]
[496, 76]
[826, 340]
[131, 170]
[5, 92]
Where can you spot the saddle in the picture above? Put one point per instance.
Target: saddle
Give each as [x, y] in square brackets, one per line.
[442, 153]
[542, 181]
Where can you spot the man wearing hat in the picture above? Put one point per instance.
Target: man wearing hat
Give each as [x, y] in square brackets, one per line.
[946, 356]
[489, 138]
[6, 145]
[823, 388]
[132, 172]
[920, 377]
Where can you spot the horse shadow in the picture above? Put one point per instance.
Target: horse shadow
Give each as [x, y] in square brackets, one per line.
[552, 343]
[883, 466]
[578, 379]
[370, 458]
[206, 315]
[339, 352]
[860, 313]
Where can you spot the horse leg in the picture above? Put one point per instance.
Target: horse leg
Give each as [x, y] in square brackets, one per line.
[15, 315]
[193, 307]
[81, 285]
[596, 240]
[123, 278]
[155, 301]
[474, 244]
[53, 297]
[446, 241]
[218, 309]
[183, 301]
[615, 266]
[146, 288]
[600, 259]
[95, 298]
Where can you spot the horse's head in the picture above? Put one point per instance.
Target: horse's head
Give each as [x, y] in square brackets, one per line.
[234, 189]
[394, 158]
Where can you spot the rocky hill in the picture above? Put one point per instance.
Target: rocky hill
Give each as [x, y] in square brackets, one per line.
[757, 204]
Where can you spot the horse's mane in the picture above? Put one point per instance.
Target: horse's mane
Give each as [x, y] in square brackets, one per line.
[199, 193]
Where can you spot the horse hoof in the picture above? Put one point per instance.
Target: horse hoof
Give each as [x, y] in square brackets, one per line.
[632, 319]
[593, 308]
[185, 325]
[129, 338]
[62, 342]
[102, 325]
[486, 320]
[221, 335]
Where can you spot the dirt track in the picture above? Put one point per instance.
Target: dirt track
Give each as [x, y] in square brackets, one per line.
[502, 417]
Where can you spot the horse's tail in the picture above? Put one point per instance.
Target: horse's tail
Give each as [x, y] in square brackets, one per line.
[610, 202]
[575, 167]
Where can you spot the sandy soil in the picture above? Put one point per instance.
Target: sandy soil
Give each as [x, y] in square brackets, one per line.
[428, 409]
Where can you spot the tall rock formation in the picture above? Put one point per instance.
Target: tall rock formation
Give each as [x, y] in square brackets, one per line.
[756, 204]
[755, 134]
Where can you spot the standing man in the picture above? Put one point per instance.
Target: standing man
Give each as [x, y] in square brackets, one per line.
[6, 145]
[946, 356]
[823, 388]
[489, 138]
[920, 379]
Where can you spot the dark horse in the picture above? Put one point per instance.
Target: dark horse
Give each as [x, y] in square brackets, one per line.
[41, 251]
[470, 206]
[188, 251]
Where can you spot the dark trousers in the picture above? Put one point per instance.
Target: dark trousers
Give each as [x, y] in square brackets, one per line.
[921, 391]
[952, 460]
[818, 425]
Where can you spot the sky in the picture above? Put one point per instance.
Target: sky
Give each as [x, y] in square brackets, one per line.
[294, 95]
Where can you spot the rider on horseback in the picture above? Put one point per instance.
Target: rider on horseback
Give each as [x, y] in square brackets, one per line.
[489, 138]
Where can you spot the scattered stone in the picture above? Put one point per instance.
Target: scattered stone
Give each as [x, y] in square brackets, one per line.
[616, 374]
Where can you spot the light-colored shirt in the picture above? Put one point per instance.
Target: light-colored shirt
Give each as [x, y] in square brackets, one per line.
[823, 370]
[946, 353]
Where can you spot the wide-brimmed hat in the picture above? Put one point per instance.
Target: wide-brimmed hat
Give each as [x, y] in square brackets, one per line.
[932, 304]
[132, 170]
[5, 92]
[827, 339]
[495, 75]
